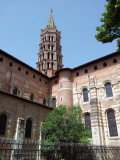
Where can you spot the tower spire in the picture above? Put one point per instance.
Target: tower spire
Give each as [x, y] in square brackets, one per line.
[51, 23]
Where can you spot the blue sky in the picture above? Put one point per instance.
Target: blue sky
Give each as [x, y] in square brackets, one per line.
[22, 20]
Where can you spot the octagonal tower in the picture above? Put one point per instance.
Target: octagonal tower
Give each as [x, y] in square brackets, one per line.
[50, 56]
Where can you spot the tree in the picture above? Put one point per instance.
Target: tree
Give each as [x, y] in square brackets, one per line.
[110, 29]
[64, 124]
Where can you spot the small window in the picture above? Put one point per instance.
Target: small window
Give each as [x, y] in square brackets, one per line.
[15, 91]
[33, 76]
[1, 59]
[28, 129]
[104, 64]
[112, 123]
[27, 72]
[55, 81]
[86, 70]
[87, 121]
[19, 68]
[32, 97]
[108, 89]
[45, 82]
[85, 95]
[3, 122]
[95, 67]
[10, 64]
[40, 79]
[114, 60]
[77, 73]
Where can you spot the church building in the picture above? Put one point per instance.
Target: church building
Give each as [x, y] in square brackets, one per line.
[28, 95]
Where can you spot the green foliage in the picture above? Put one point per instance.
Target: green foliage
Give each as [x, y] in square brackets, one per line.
[110, 29]
[64, 124]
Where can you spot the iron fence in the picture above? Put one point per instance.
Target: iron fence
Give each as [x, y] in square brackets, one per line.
[34, 150]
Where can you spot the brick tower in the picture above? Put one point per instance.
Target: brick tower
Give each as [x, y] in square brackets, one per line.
[49, 56]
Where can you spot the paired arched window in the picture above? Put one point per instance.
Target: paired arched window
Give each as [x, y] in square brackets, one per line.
[28, 129]
[85, 95]
[54, 102]
[112, 123]
[87, 121]
[108, 89]
[3, 122]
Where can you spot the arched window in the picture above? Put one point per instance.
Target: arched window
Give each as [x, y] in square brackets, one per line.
[108, 89]
[52, 47]
[42, 66]
[48, 55]
[48, 65]
[3, 122]
[52, 38]
[112, 123]
[87, 121]
[49, 38]
[48, 47]
[52, 56]
[28, 129]
[54, 102]
[85, 95]
[52, 64]
[44, 101]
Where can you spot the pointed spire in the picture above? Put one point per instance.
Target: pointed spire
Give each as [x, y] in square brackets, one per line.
[51, 23]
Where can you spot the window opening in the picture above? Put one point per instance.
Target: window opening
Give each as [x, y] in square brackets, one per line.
[15, 91]
[95, 67]
[3, 122]
[1, 59]
[114, 60]
[86, 71]
[112, 123]
[108, 89]
[19, 68]
[54, 102]
[77, 73]
[10, 64]
[32, 97]
[28, 129]
[27, 72]
[44, 101]
[87, 121]
[85, 95]
[104, 64]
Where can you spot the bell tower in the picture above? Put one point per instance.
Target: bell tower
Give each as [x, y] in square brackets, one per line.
[49, 56]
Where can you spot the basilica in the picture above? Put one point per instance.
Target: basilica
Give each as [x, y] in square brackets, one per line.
[28, 95]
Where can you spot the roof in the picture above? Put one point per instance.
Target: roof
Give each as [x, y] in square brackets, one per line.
[51, 23]
[27, 100]
[97, 60]
[17, 60]
[89, 63]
